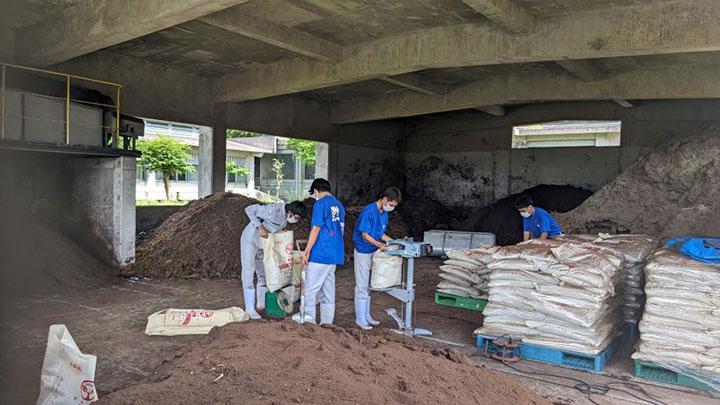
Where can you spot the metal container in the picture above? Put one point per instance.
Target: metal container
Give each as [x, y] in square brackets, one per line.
[442, 241]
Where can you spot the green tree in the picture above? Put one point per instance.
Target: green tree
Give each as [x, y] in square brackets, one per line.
[230, 168]
[305, 150]
[236, 133]
[166, 155]
[278, 169]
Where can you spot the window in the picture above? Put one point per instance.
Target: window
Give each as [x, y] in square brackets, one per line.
[236, 179]
[140, 173]
[564, 134]
[309, 171]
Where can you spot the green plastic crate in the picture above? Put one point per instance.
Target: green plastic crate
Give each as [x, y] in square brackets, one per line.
[654, 372]
[473, 304]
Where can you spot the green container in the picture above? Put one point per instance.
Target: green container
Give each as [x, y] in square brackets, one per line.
[272, 306]
[654, 372]
[473, 304]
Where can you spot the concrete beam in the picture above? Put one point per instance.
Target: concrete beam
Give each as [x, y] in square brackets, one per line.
[505, 13]
[613, 32]
[97, 24]
[275, 34]
[415, 83]
[496, 110]
[657, 83]
[583, 69]
[219, 147]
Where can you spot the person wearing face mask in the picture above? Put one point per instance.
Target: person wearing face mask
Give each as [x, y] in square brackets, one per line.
[325, 250]
[264, 220]
[369, 236]
[537, 223]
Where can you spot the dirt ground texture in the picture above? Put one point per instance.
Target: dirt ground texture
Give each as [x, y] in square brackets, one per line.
[671, 192]
[284, 362]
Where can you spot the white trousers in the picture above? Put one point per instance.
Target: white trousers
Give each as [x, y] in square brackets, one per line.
[251, 258]
[363, 264]
[319, 277]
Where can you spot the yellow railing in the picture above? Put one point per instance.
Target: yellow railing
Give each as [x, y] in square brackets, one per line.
[6, 67]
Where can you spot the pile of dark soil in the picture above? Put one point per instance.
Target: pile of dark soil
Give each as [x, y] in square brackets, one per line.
[671, 192]
[200, 241]
[37, 259]
[396, 226]
[283, 362]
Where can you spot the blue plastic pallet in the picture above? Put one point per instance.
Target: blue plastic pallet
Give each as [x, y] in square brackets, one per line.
[586, 362]
[630, 331]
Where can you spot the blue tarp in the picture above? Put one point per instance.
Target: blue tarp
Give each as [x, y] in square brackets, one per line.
[703, 249]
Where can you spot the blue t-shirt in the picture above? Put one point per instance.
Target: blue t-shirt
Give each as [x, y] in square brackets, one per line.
[329, 215]
[372, 222]
[541, 222]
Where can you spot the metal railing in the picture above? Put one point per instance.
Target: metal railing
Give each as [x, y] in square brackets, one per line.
[6, 68]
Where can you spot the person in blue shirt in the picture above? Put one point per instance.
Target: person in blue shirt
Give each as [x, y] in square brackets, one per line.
[368, 236]
[537, 223]
[325, 250]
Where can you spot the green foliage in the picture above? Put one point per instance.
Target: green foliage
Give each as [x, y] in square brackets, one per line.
[166, 155]
[305, 150]
[236, 133]
[154, 203]
[278, 169]
[230, 168]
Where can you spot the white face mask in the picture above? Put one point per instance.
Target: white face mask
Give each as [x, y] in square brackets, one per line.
[525, 214]
[291, 219]
[315, 196]
[388, 208]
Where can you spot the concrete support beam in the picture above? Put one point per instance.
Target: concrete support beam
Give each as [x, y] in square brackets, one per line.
[623, 103]
[275, 34]
[97, 24]
[205, 159]
[672, 82]
[612, 32]
[505, 13]
[415, 83]
[219, 147]
[583, 69]
[496, 110]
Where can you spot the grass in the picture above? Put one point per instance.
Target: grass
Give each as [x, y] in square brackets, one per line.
[153, 203]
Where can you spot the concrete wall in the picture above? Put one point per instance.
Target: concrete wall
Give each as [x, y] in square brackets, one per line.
[464, 159]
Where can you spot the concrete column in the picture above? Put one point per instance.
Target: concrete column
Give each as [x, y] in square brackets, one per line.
[205, 158]
[321, 159]
[250, 166]
[219, 147]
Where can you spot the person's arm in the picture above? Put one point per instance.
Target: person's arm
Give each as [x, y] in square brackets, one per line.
[373, 242]
[544, 226]
[526, 236]
[314, 232]
[543, 236]
[253, 214]
[386, 238]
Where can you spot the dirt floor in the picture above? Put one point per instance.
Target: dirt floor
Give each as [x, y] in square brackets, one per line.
[109, 322]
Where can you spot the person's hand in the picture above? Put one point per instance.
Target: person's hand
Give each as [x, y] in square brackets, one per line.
[262, 231]
[382, 247]
[306, 257]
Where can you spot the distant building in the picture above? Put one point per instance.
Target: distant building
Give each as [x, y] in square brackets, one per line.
[256, 154]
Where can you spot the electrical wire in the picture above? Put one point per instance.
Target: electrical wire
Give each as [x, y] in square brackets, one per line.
[585, 387]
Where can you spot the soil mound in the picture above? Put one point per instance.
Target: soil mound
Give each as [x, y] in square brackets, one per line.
[37, 259]
[283, 362]
[671, 192]
[200, 241]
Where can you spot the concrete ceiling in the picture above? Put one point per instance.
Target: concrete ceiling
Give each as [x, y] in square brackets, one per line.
[360, 56]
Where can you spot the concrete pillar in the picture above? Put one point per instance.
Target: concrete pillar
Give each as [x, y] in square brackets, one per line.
[321, 159]
[250, 166]
[219, 147]
[205, 157]
[104, 194]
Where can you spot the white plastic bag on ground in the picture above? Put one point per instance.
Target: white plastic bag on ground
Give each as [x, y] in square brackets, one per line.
[278, 259]
[174, 322]
[386, 270]
[68, 375]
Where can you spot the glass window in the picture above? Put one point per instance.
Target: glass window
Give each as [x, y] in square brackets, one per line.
[565, 134]
[309, 172]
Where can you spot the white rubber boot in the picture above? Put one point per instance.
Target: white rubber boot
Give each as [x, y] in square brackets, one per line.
[249, 295]
[369, 319]
[360, 314]
[261, 290]
[327, 314]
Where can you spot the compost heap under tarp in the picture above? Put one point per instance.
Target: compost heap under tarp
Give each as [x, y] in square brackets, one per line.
[671, 192]
[284, 363]
[203, 239]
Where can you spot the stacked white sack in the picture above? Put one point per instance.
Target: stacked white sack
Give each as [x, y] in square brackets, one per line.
[680, 329]
[556, 294]
[465, 273]
[635, 248]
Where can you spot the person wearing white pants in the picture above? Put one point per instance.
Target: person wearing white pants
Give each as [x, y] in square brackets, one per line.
[368, 236]
[264, 219]
[324, 251]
